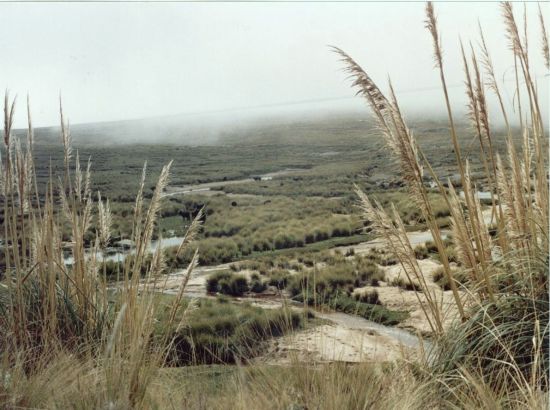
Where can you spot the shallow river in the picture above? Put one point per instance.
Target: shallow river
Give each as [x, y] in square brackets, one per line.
[121, 255]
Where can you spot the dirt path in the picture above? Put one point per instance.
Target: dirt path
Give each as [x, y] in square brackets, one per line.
[396, 298]
[196, 286]
[345, 338]
[352, 338]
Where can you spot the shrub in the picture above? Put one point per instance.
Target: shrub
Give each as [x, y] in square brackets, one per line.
[387, 259]
[431, 247]
[421, 252]
[368, 272]
[321, 234]
[297, 284]
[225, 333]
[238, 285]
[500, 332]
[227, 283]
[257, 286]
[215, 250]
[309, 237]
[370, 297]
[452, 256]
[261, 244]
[224, 286]
[406, 284]
[306, 260]
[213, 281]
[373, 256]
[440, 278]
[279, 279]
[112, 270]
[376, 313]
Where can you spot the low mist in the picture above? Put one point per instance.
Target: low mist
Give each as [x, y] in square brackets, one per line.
[194, 72]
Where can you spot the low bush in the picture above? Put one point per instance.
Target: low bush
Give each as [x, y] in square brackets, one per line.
[226, 333]
[227, 283]
[279, 279]
[340, 274]
[238, 285]
[431, 247]
[257, 286]
[306, 260]
[376, 313]
[501, 332]
[421, 252]
[370, 297]
[406, 284]
[440, 278]
[452, 256]
[111, 270]
[368, 272]
[388, 260]
[350, 252]
[213, 281]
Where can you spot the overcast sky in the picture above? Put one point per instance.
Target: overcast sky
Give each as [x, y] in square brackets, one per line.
[122, 61]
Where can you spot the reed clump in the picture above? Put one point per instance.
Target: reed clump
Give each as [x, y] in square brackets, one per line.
[500, 338]
[51, 311]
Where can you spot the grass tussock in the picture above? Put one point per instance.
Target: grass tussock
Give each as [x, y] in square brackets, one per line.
[495, 258]
[218, 331]
[52, 311]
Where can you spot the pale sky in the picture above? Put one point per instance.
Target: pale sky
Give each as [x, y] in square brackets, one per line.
[131, 60]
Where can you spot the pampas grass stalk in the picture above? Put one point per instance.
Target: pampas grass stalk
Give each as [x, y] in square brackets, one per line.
[500, 268]
[47, 306]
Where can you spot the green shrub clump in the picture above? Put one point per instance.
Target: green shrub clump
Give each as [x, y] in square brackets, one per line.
[220, 332]
[440, 278]
[370, 297]
[227, 283]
